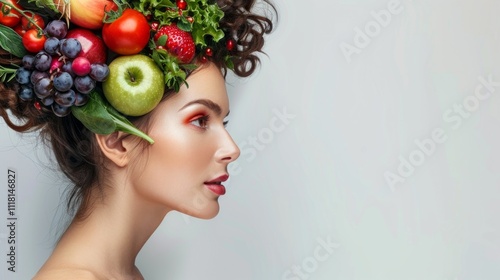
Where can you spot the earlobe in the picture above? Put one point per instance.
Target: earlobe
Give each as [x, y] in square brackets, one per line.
[114, 148]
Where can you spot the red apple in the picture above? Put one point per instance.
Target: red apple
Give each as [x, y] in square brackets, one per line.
[86, 13]
[93, 47]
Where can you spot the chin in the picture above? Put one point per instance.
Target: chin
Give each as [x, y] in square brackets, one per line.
[206, 213]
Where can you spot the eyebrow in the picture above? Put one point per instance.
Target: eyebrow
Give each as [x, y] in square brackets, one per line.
[207, 103]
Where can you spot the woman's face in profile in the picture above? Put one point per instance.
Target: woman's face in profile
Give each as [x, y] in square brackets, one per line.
[184, 168]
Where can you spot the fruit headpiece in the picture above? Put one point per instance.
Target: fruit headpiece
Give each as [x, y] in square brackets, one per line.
[63, 47]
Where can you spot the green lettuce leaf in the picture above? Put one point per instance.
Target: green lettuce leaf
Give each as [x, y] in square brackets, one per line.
[206, 21]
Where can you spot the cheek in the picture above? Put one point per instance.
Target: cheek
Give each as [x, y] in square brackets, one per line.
[181, 149]
[174, 167]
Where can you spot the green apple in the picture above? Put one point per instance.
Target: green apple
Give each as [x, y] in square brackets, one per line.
[135, 84]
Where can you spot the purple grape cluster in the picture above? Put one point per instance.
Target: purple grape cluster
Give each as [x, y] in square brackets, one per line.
[56, 76]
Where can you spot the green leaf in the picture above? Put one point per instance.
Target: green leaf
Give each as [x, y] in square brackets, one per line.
[184, 24]
[174, 73]
[48, 7]
[101, 118]
[11, 41]
[189, 67]
[206, 21]
[146, 6]
[229, 62]
[162, 41]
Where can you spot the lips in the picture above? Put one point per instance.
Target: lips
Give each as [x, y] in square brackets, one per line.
[215, 185]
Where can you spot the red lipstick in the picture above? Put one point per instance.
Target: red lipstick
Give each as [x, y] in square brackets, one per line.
[215, 185]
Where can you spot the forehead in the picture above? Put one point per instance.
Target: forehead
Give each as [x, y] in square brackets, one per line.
[206, 82]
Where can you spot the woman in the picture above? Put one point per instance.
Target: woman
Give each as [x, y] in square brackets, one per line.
[125, 186]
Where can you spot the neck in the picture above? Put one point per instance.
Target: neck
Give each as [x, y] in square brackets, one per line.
[108, 240]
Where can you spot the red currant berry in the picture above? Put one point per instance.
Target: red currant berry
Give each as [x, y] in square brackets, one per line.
[230, 44]
[204, 59]
[209, 52]
[38, 106]
[190, 19]
[181, 4]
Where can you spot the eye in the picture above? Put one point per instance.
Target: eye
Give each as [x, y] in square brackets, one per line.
[201, 121]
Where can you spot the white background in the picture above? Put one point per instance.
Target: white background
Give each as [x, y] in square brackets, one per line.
[320, 178]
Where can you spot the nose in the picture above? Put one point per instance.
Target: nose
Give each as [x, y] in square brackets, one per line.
[228, 150]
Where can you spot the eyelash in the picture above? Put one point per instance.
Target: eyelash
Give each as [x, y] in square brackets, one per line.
[205, 119]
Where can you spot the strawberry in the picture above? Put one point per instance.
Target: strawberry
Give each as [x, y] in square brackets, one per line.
[179, 43]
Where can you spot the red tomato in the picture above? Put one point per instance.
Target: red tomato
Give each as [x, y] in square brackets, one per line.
[9, 16]
[27, 25]
[32, 41]
[19, 29]
[128, 34]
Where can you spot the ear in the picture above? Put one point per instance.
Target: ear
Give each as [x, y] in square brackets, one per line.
[115, 147]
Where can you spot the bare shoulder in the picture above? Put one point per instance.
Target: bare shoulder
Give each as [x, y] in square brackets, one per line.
[65, 273]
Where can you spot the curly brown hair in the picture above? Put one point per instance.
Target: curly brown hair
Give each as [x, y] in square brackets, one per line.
[74, 146]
